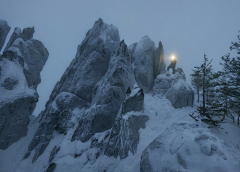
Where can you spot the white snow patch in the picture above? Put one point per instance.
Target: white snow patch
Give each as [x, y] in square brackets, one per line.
[12, 69]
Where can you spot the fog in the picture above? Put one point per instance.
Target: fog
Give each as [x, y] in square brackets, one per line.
[186, 28]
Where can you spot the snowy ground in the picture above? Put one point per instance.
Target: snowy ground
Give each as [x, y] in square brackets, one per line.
[161, 116]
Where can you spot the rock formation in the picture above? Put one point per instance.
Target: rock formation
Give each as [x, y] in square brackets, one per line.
[89, 74]
[97, 107]
[178, 146]
[175, 88]
[148, 62]
[4, 29]
[16, 34]
[20, 67]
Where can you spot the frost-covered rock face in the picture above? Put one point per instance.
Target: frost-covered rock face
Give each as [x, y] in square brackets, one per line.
[187, 147]
[18, 95]
[148, 62]
[108, 95]
[175, 88]
[133, 101]
[4, 29]
[125, 135]
[92, 80]
[91, 62]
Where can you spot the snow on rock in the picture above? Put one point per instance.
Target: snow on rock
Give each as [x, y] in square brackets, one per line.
[4, 29]
[16, 34]
[17, 100]
[124, 136]
[187, 146]
[18, 94]
[81, 77]
[91, 62]
[58, 116]
[175, 88]
[108, 95]
[148, 62]
[133, 101]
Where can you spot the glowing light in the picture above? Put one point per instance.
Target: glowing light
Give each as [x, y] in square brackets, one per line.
[173, 57]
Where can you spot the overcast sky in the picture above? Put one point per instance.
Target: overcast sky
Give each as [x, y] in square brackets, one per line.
[187, 28]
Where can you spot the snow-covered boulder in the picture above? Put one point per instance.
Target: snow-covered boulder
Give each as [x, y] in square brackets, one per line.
[18, 87]
[4, 29]
[16, 34]
[108, 95]
[187, 146]
[175, 88]
[148, 62]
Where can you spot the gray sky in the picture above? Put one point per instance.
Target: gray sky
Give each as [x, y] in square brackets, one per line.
[187, 28]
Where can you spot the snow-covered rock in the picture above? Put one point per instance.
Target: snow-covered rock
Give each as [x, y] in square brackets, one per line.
[175, 88]
[159, 60]
[133, 101]
[124, 136]
[108, 95]
[148, 62]
[187, 146]
[84, 80]
[18, 93]
[16, 34]
[4, 29]
[27, 33]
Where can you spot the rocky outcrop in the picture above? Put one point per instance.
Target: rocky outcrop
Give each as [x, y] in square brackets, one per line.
[16, 34]
[35, 55]
[159, 60]
[181, 146]
[27, 33]
[108, 95]
[134, 101]
[175, 88]
[80, 80]
[4, 29]
[18, 93]
[148, 62]
[91, 62]
[125, 135]
[14, 119]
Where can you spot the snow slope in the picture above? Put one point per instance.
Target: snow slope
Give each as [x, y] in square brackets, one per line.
[161, 116]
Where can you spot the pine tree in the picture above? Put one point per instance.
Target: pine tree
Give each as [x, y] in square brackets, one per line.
[205, 72]
[196, 80]
[232, 69]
